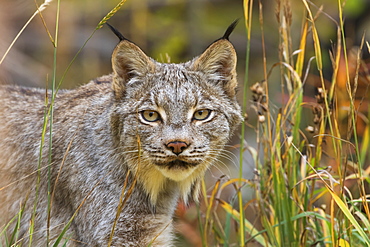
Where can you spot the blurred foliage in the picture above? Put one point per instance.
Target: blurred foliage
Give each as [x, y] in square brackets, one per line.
[182, 29]
[179, 28]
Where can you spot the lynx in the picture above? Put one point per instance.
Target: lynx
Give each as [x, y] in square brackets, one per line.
[125, 148]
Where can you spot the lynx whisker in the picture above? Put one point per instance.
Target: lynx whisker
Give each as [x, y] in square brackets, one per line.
[226, 156]
[217, 164]
[131, 151]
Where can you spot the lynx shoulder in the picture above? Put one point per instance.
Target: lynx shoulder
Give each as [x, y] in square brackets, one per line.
[125, 148]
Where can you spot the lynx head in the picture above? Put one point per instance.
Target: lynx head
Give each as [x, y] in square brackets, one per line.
[173, 120]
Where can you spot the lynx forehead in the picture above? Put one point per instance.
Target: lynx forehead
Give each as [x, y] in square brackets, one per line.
[144, 135]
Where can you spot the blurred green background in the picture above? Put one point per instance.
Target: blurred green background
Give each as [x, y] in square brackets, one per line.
[181, 29]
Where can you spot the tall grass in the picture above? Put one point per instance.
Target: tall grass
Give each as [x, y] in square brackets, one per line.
[300, 200]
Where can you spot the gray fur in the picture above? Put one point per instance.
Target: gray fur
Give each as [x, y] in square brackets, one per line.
[99, 136]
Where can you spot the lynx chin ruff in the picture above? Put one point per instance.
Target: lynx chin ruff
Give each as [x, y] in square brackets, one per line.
[126, 147]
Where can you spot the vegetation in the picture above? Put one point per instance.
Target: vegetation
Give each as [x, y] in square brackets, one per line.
[307, 149]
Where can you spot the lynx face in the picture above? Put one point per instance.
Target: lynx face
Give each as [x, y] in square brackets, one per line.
[174, 118]
[180, 119]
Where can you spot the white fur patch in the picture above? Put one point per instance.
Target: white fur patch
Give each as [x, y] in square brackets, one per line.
[176, 174]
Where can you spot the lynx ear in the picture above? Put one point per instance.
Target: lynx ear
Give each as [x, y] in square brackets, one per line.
[218, 62]
[128, 62]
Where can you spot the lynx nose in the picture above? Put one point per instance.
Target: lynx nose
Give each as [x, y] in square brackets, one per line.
[177, 147]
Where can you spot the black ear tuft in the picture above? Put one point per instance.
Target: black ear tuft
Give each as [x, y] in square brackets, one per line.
[230, 29]
[116, 32]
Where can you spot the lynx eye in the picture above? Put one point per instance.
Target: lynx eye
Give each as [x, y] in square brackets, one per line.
[202, 114]
[150, 116]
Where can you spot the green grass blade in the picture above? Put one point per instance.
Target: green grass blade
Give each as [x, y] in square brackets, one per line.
[350, 217]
